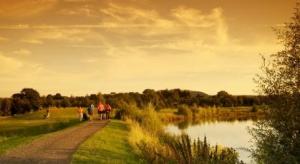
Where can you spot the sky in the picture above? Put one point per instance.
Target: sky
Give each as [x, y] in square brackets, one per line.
[79, 47]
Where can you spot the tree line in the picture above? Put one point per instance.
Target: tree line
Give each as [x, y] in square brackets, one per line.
[30, 100]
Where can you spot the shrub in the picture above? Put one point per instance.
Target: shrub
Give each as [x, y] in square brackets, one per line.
[130, 111]
[151, 121]
[186, 111]
[254, 108]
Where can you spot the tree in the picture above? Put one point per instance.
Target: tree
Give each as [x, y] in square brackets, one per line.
[58, 96]
[100, 98]
[277, 138]
[25, 101]
[32, 96]
[49, 101]
[225, 99]
[65, 102]
[5, 107]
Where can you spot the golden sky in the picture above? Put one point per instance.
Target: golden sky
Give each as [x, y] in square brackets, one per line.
[80, 47]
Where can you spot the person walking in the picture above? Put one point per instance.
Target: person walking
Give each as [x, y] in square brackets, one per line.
[101, 110]
[107, 111]
[47, 115]
[80, 113]
[90, 111]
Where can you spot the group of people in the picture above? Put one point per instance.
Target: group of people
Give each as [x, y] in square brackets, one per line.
[103, 112]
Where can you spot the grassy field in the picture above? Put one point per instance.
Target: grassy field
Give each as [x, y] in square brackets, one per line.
[24, 128]
[110, 145]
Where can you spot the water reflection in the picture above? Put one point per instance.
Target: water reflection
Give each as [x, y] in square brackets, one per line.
[228, 133]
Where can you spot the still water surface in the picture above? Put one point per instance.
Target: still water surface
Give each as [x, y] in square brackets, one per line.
[231, 134]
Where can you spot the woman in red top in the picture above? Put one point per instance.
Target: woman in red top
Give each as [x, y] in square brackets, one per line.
[107, 110]
[101, 110]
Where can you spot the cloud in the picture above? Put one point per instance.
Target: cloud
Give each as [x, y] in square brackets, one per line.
[82, 10]
[89, 60]
[136, 24]
[133, 48]
[24, 8]
[9, 65]
[23, 52]
[15, 27]
[2, 39]
[32, 41]
[192, 18]
[72, 34]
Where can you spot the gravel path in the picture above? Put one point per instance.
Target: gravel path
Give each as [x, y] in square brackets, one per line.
[55, 148]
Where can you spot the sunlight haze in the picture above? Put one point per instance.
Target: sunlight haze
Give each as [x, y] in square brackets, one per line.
[79, 47]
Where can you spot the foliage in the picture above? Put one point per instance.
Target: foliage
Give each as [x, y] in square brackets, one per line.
[186, 151]
[25, 101]
[159, 99]
[150, 120]
[127, 111]
[254, 108]
[277, 139]
[155, 146]
[186, 111]
[5, 107]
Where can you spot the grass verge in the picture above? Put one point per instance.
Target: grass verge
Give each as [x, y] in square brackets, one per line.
[22, 129]
[110, 145]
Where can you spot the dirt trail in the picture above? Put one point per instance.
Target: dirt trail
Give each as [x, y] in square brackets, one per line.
[55, 148]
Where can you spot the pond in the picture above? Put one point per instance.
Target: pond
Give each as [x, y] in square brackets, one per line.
[231, 134]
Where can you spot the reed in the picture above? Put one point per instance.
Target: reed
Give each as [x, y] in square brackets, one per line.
[148, 139]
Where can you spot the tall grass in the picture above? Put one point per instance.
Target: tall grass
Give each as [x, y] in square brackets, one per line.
[155, 146]
[195, 152]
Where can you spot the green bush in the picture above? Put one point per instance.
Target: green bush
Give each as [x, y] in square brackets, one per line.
[186, 111]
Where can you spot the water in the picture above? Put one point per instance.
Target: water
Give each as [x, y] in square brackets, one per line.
[230, 134]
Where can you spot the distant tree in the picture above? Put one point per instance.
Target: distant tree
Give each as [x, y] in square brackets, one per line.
[154, 98]
[49, 101]
[94, 98]
[278, 138]
[32, 96]
[58, 96]
[225, 99]
[100, 98]
[5, 108]
[65, 102]
[25, 101]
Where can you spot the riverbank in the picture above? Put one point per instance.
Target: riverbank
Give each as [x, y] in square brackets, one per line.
[212, 114]
[150, 141]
